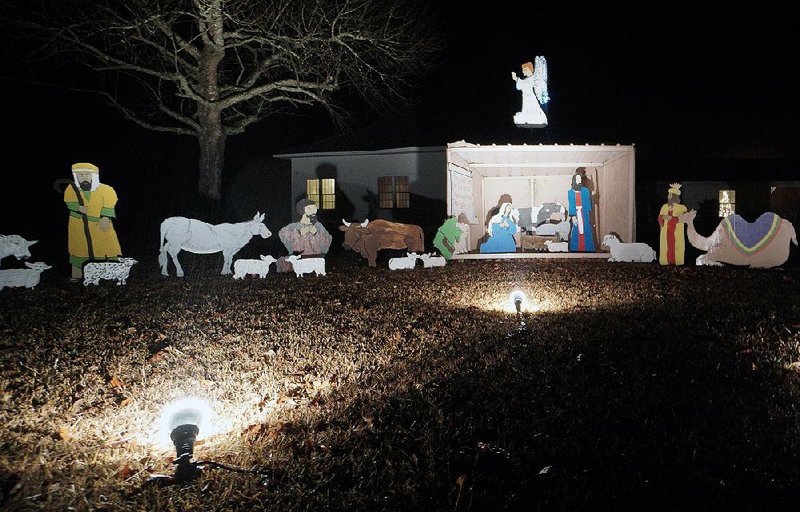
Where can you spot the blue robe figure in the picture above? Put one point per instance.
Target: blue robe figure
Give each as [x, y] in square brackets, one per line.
[502, 228]
[580, 207]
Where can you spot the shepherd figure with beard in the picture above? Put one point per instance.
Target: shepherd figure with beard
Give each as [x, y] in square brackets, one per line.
[581, 238]
[307, 237]
[91, 205]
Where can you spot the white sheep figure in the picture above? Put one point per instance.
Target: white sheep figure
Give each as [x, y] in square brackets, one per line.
[556, 246]
[302, 266]
[429, 260]
[407, 261]
[260, 268]
[19, 277]
[95, 271]
[630, 252]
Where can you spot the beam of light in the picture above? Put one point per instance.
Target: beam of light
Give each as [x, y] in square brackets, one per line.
[506, 303]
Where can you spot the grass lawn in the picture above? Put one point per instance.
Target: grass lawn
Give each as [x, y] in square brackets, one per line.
[629, 387]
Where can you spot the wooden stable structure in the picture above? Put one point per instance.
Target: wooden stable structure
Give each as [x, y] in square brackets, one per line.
[479, 175]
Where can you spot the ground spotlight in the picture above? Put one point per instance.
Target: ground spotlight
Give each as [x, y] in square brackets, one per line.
[518, 299]
[184, 420]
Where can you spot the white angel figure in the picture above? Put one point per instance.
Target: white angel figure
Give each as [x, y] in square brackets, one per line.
[534, 94]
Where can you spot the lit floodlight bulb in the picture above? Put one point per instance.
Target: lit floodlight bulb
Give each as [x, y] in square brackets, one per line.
[518, 300]
[184, 421]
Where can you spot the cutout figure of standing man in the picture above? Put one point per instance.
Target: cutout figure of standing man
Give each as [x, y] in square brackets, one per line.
[671, 238]
[581, 238]
[534, 94]
[90, 230]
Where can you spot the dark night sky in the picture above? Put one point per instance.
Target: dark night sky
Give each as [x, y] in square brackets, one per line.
[678, 82]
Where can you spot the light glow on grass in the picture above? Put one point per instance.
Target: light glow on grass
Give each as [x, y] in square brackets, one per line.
[217, 418]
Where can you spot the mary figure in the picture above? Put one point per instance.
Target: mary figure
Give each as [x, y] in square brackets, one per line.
[502, 228]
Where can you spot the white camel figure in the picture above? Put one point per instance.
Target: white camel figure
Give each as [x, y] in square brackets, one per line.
[202, 238]
[630, 251]
[733, 241]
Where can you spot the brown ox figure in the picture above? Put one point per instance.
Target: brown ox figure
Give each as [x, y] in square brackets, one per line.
[368, 237]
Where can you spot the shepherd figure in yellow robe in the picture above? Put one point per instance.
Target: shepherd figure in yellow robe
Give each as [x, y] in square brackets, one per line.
[91, 204]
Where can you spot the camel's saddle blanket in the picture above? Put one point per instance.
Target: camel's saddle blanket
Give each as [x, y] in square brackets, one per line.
[751, 237]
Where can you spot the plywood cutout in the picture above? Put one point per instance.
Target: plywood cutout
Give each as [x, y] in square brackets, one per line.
[764, 243]
[447, 237]
[260, 267]
[307, 236]
[579, 209]
[502, 228]
[22, 277]
[181, 233]
[367, 238]
[15, 245]
[628, 251]
[96, 271]
[92, 209]
[303, 266]
[671, 229]
[533, 85]
[404, 262]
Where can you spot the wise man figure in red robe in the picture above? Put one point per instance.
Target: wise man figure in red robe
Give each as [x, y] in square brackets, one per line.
[671, 243]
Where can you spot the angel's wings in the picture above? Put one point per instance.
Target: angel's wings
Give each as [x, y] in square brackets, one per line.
[540, 79]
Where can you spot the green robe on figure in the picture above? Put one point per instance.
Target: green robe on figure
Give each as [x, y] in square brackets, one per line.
[446, 237]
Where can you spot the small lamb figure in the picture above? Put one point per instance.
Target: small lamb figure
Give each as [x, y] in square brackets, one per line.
[117, 271]
[15, 245]
[18, 277]
[630, 252]
[429, 260]
[407, 261]
[556, 246]
[243, 267]
[302, 266]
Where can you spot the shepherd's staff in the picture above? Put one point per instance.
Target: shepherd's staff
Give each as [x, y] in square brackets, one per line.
[84, 215]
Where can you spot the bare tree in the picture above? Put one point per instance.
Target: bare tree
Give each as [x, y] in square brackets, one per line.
[211, 68]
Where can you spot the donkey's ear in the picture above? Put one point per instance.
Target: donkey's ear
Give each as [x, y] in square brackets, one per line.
[261, 217]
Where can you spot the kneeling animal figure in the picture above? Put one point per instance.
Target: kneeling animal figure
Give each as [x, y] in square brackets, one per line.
[631, 252]
[407, 261]
[430, 260]
[556, 246]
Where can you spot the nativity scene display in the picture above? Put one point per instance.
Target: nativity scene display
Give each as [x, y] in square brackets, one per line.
[548, 227]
